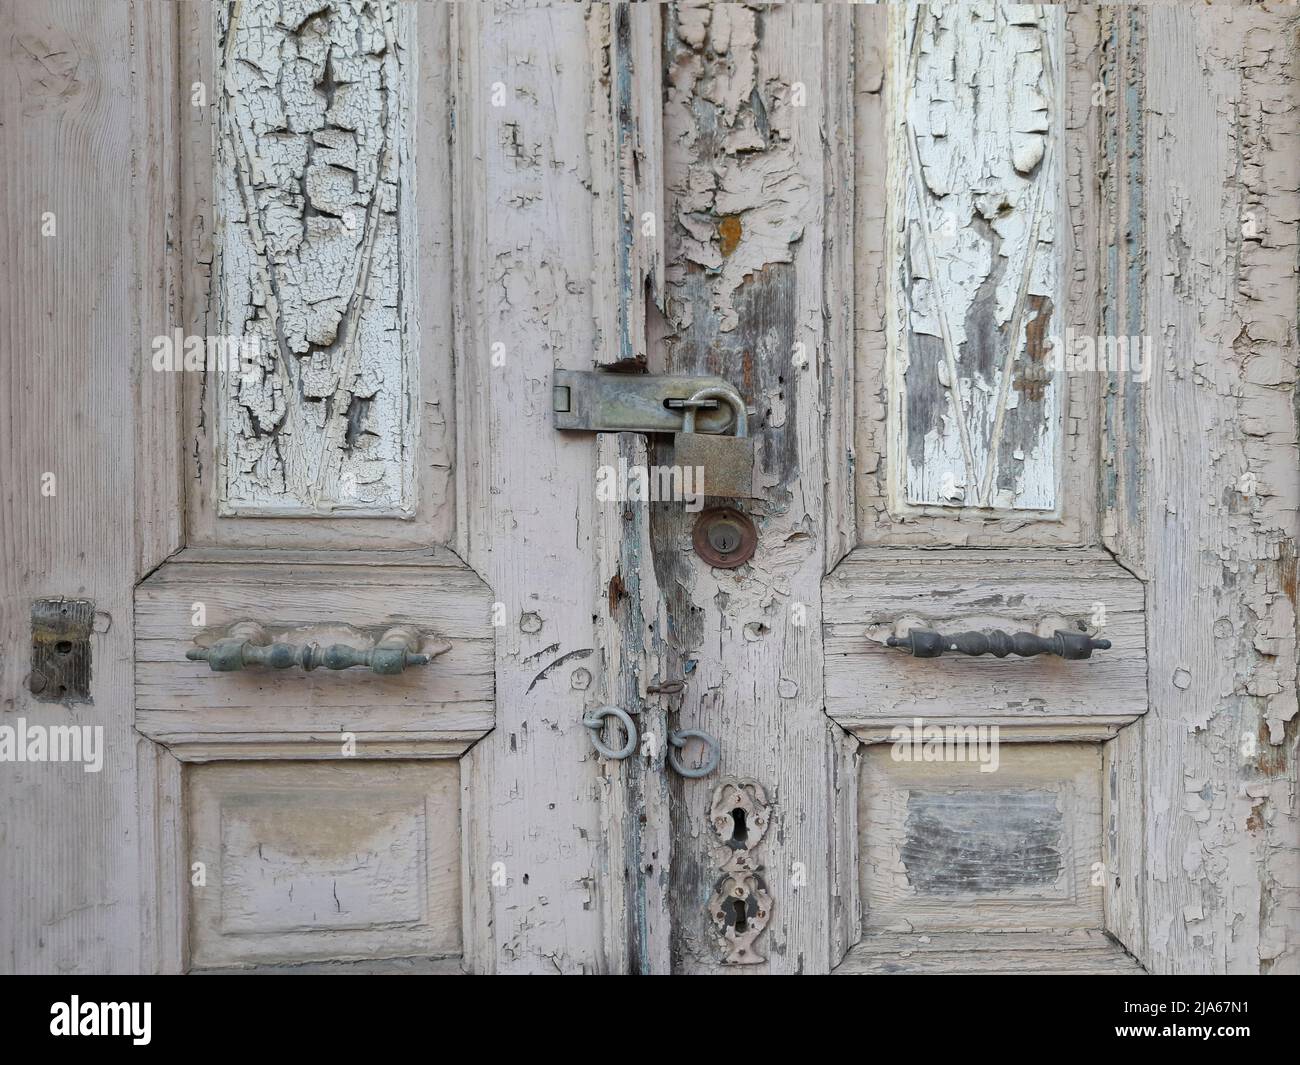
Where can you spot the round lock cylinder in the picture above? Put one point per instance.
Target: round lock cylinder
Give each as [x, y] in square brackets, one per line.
[725, 537]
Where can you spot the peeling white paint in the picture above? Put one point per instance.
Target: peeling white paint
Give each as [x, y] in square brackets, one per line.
[978, 191]
[314, 247]
[748, 207]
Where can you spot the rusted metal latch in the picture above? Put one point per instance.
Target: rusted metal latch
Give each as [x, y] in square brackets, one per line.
[595, 402]
[61, 631]
[926, 643]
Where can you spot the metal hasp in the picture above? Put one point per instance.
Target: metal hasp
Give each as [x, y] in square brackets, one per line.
[595, 402]
[248, 645]
[925, 643]
[61, 631]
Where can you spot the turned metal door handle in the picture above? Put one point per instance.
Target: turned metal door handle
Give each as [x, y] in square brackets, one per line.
[926, 643]
[248, 645]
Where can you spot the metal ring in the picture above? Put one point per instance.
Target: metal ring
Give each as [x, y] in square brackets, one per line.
[678, 739]
[594, 720]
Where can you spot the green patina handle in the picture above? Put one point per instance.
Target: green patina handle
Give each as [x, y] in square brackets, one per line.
[248, 646]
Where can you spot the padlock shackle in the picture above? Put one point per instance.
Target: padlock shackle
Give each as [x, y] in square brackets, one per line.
[726, 395]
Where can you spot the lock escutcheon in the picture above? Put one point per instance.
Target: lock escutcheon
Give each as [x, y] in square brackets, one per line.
[726, 462]
[724, 537]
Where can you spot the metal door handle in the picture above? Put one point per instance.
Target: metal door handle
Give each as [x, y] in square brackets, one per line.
[926, 643]
[595, 722]
[677, 740]
[248, 645]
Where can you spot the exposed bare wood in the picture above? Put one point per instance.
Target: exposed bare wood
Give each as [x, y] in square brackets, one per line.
[947, 846]
[1054, 300]
[977, 106]
[883, 223]
[746, 190]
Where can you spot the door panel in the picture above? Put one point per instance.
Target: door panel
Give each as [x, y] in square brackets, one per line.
[947, 846]
[1153, 337]
[974, 446]
[317, 200]
[317, 811]
[320, 861]
[875, 594]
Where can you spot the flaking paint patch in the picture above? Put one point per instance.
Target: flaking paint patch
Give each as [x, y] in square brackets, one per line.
[1224, 865]
[976, 271]
[741, 198]
[314, 229]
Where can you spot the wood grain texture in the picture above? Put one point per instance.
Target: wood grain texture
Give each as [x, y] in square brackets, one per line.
[851, 91]
[158, 279]
[746, 191]
[946, 846]
[453, 692]
[627, 172]
[530, 220]
[323, 862]
[1086, 952]
[873, 589]
[1219, 180]
[77, 305]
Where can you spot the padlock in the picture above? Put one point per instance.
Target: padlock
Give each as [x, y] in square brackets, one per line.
[726, 462]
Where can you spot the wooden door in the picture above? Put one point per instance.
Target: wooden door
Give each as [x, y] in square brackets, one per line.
[275, 365]
[1009, 291]
[991, 279]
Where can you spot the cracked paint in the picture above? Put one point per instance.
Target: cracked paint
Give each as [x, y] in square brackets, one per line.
[976, 271]
[747, 207]
[313, 235]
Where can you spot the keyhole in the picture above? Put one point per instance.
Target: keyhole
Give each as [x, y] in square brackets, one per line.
[724, 538]
[64, 647]
[739, 832]
[741, 922]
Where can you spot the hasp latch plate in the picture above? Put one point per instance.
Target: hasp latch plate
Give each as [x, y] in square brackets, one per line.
[600, 402]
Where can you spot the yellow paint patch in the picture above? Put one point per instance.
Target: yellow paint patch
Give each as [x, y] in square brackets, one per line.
[729, 231]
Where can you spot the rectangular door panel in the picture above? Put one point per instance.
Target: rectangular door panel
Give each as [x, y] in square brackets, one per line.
[1008, 843]
[305, 862]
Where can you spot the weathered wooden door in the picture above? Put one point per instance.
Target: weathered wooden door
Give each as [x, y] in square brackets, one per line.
[1009, 291]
